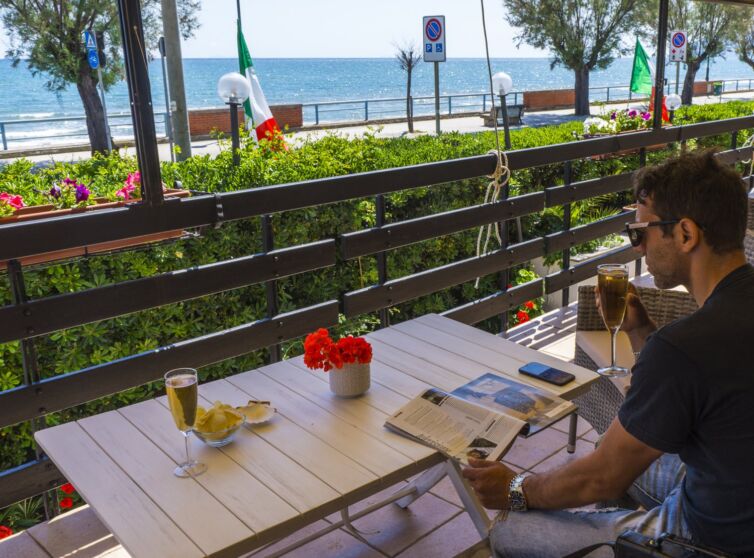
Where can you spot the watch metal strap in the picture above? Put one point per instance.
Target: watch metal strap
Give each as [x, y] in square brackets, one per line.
[516, 496]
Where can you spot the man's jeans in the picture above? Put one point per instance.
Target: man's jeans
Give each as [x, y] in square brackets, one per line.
[541, 534]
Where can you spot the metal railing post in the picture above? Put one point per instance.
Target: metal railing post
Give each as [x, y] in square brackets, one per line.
[379, 205]
[316, 114]
[607, 96]
[2, 134]
[450, 105]
[366, 111]
[484, 102]
[566, 262]
[30, 363]
[270, 287]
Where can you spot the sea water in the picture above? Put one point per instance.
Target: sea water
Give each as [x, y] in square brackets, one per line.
[307, 81]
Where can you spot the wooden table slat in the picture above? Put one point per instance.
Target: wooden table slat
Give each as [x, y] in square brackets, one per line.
[344, 437]
[143, 528]
[333, 468]
[258, 507]
[481, 340]
[367, 418]
[194, 509]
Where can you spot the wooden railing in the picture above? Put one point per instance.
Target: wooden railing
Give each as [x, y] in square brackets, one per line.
[26, 319]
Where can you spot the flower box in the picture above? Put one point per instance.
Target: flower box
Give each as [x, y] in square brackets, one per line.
[620, 152]
[45, 211]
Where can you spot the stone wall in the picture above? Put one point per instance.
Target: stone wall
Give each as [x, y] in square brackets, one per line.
[203, 121]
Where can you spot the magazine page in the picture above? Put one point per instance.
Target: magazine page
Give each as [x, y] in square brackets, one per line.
[537, 407]
[458, 428]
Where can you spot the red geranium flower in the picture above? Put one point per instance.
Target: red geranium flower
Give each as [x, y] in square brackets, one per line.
[321, 352]
[5, 531]
[522, 316]
[529, 304]
[68, 488]
[66, 503]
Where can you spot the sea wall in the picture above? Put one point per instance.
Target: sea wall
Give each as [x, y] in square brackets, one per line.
[203, 121]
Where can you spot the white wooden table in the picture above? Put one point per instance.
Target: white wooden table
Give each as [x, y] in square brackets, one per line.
[319, 454]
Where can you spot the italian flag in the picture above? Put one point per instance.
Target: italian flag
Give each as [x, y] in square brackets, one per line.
[259, 117]
[643, 78]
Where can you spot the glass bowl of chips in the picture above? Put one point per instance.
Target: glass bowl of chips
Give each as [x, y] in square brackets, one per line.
[217, 425]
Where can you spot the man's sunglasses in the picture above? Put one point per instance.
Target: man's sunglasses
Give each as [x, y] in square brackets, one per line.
[636, 231]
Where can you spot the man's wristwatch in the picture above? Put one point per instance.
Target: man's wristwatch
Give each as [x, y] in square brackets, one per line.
[516, 496]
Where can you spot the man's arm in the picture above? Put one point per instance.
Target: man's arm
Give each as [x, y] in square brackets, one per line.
[604, 474]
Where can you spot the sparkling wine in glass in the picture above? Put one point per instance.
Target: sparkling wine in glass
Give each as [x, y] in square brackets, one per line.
[612, 282]
[182, 387]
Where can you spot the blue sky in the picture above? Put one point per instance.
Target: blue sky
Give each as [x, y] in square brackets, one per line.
[346, 28]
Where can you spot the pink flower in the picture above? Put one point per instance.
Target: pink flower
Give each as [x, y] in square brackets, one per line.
[16, 202]
[131, 182]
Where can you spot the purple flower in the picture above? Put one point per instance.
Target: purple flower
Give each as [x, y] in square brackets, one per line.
[613, 116]
[632, 113]
[69, 182]
[55, 191]
[646, 115]
[82, 193]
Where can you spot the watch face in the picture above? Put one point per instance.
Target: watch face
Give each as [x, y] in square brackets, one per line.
[516, 498]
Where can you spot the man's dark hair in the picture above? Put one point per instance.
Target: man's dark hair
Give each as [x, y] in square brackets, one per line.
[698, 187]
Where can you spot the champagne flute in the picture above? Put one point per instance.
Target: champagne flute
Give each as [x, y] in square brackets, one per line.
[182, 386]
[612, 282]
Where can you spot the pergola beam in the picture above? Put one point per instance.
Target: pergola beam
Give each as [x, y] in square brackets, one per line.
[140, 94]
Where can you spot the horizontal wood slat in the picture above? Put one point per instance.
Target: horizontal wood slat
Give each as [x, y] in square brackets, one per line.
[497, 303]
[61, 392]
[413, 286]
[28, 480]
[567, 239]
[578, 273]
[38, 317]
[395, 235]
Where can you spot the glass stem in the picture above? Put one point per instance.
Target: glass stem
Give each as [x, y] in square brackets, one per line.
[188, 452]
[612, 347]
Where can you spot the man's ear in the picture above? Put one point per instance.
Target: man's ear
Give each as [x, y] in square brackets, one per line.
[690, 235]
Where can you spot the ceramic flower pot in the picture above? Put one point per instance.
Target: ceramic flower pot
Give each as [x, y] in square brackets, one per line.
[350, 381]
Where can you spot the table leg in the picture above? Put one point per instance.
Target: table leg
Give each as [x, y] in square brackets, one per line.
[423, 483]
[572, 433]
[474, 508]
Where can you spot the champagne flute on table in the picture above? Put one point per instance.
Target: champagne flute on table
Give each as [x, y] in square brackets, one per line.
[182, 387]
[612, 283]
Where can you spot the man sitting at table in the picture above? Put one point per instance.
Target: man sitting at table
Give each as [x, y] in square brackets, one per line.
[682, 445]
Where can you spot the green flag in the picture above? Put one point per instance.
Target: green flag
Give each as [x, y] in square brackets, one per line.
[642, 76]
[245, 67]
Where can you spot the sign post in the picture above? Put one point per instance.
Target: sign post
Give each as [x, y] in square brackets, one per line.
[678, 44]
[434, 51]
[93, 56]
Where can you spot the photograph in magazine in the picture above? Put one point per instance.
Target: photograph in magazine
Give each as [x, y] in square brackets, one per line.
[533, 405]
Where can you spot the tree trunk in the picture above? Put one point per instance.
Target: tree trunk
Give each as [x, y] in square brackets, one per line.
[688, 81]
[409, 112]
[582, 91]
[95, 116]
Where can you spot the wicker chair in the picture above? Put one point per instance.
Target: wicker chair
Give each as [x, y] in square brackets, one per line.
[600, 405]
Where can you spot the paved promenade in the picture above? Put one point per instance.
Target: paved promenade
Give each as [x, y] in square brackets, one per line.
[466, 124]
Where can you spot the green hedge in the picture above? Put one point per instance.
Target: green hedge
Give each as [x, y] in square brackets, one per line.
[333, 155]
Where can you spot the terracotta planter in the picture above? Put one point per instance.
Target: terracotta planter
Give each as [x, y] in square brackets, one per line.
[44, 211]
[350, 381]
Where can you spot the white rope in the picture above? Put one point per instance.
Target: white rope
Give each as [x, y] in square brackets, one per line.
[501, 175]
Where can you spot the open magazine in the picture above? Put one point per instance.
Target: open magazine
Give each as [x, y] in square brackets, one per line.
[479, 419]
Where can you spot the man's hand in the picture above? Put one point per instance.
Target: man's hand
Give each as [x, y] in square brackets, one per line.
[637, 324]
[491, 482]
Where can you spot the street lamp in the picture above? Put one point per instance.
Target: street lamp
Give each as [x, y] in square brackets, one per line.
[502, 83]
[234, 89]
[673, 102]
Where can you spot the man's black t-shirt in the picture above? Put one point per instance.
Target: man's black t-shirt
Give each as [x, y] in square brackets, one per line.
[692, 394]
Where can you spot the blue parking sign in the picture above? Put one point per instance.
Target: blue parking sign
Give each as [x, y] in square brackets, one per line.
[438, 47]
[428, 47]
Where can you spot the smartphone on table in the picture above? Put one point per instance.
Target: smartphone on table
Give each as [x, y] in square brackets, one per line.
[547, 373]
